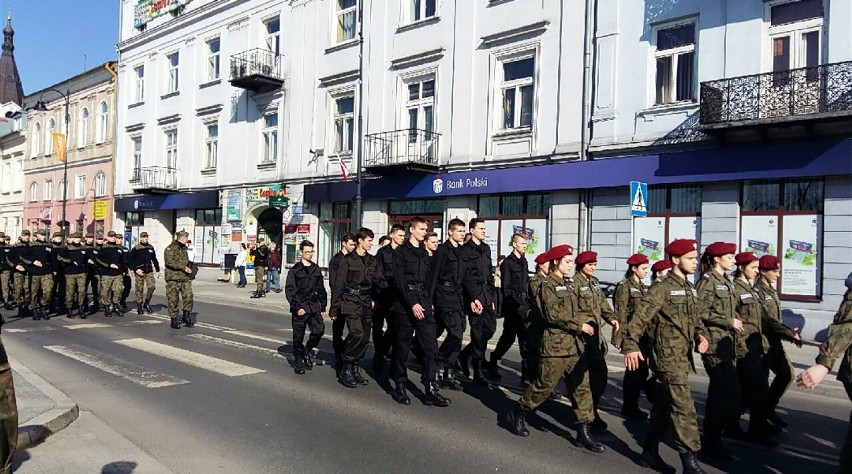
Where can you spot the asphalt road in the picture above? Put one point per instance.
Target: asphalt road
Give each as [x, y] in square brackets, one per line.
[222, 397]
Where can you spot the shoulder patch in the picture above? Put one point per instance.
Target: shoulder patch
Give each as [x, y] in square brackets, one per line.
[695, 292]
[746, 296]
[635, 290]
[706, 275]
[561, 288]
[584, 288]
[722, 287]
[678, 292]
[768, 297]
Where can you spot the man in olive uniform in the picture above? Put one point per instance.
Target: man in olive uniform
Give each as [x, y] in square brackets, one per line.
[5, 273]
[514, 283]
[8, 414]
[261, 260]
[93, 273]
[838, 341]
[143, 262]
[628, 293]
[57, 299]
[671, 315]
[178, 282]
[338, 324]
[20, 278]
[480, 298]
[305, 292]
[109, 262]
[534, 322]
[38, 259]
[73, 259]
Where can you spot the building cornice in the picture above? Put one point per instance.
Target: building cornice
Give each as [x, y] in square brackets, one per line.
[419, 58]
[340, 78]
[533, 29]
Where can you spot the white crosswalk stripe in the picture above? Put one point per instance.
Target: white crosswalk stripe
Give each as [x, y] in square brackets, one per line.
[236, 345]
[120, 368]
[23, 330]
[259, 337]
[87, 326]
[214, 327]
[201, 361]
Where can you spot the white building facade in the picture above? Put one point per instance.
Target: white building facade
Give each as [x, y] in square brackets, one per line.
[13, 147]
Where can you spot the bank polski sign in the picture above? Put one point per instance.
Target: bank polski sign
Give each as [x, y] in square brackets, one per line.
[475, 184]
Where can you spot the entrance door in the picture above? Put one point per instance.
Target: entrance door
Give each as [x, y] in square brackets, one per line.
[435, 223]
[269, 226]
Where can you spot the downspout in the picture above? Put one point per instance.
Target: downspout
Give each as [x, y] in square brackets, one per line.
[110, 67]
[584, 226]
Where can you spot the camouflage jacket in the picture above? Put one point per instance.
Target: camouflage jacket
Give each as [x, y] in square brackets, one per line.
[533, 321]
[176, 260]
[716, 293]
[593, 305]
[750, 312]
[839, 341]
[561, 317]
[773, 327]
[628, 293]
[671, 314]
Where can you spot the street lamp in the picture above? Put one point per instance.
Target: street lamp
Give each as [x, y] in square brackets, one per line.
[41, 106]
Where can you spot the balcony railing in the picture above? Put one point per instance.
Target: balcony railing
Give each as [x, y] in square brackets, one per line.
[257, 70]
[411, 150]
[806, 93]
[154, 178]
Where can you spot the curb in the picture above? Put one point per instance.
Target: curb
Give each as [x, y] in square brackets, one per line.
[58, 418]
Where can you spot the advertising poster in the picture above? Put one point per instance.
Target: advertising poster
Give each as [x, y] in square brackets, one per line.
[537, 236]
[759, 235]
[800, 255]
[649, 235]
[507, 228]
[684, 228]
[236, 232]
[232, 212]
[492, 230]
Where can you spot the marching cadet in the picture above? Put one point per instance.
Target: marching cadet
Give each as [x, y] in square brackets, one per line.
[347, 245]
[5, 273]
[431, 243]
[774, 330]
[38, 259]
[73, 258]
[660, 269]
[109, 262]
[357, 281]
[142, 261]
[261, 261]
[305, 292]
[20, 278]
[561, 350]
[671, 315]
[628, 293]
[480, 300]
[178, 282]
[412, 267]
[383, 314]
[445, 288]
[593, 305]
[125, 272]
[838, 341]
[724, 396]
[93, 273]
[514, 284]
[58, 294]
[533, 323]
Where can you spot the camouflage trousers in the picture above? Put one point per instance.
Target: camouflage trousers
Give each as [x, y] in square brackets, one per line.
[260, 278]
[43, 283]
[75, 284]
[141, 281]
[176, 290]
[673, 405]
[21, 288]
[550, 371]
[5, 290]
[111, 288]
[8, 417]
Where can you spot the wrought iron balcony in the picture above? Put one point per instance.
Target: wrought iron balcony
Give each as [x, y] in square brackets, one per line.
[257, 70]
[154, 179]
[398, 151]
[821, 93]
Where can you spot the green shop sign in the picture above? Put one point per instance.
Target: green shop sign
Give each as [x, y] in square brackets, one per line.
[279, 202]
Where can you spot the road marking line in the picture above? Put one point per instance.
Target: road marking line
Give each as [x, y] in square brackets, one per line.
[214, 327]
[21, 330]
[224, 367]
[126, 370]
[88, 326]
[143, 322]
[235, 344]
[259, 337]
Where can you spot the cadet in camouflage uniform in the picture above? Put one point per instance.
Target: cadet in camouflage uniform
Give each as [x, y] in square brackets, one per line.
[38, 259]
[561, 350]
[143, 262]
[8, 414]
[628, 293]
[838, 341]
[178, 283]
[73, 258]
[774, 330]
[20, 279]
[534, 323]
[5, 273]
[109, 262]
[671, 316]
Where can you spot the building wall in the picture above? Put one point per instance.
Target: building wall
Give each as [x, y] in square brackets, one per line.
[13, 147]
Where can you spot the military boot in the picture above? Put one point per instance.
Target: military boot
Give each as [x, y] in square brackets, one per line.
[462, 364]
[690, 463]
[448, 380]
[356, 374]
[21, 312]
[8, 304]
[139, 309]
[518, 421]
[584, 436]
[309, 360]
[400, 395]
[433, 397]
[71, 313]
[493, 370]
[256, 294]
[45, 313]
[82, 312]
[175, 323]
[108, 310]
[187, 320]
[147, 306]
[478, 375]
[712, 444]
[651, 457]
[298, 365]
[347, 376]
[37, 313]
[118, 310]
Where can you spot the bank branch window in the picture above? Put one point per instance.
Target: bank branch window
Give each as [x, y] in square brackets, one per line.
[508, 214]
[335, 220]
[785, 218]
[206, 239]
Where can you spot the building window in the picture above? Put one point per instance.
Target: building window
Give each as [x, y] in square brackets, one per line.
[47, 192]
[173, 64]
[63, 192]
[83, 128]
[421, 9]
[347, 19]
[212, 146]
[675, 64]
[344, 124]
[208, 230]
[33, 192]
[36, 148]
[335, 220]
[213, 59]
[7, 176]
[140, 83]
[51, 129]
[171, 149]
[517, 92]
[795, 30]
[273, 35]
[137, 158]
[19, 176]
[80, 187]
[270, 138]
[420, 109]
[401, 211]
[509, 214]
[784, 219]
[100, 185]
[103, 122]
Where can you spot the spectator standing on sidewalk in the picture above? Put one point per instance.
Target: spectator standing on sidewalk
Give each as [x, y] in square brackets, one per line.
[241, 265]
[261, 260]
[273, 272]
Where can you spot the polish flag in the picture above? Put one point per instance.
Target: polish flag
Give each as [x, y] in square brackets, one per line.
[345, 170]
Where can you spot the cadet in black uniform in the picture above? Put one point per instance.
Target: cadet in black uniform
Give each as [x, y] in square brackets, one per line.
[20, 278]
[414, 315]
[57, 301]
[38, 259]
[347, 245]
[479, 300]
[514, 284]
[383, 340]
[445, 288]
[126, 283]
[305, 292]
[73, 260]
[142, 261]
[92, 273]
[109, 261]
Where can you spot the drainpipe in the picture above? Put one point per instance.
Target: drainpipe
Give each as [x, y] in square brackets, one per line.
[584, 226]
[110, 67]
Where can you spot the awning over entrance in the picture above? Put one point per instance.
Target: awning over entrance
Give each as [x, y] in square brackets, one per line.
[159, 202]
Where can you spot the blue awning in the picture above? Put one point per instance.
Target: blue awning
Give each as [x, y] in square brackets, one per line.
[161, 202]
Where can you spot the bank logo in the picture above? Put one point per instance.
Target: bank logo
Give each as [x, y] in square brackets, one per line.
[135, 204]
[438, 185]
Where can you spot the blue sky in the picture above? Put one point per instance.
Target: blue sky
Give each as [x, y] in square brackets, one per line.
[51, 37]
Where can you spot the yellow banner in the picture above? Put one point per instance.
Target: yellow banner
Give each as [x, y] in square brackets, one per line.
[59, 146]
[99, 210]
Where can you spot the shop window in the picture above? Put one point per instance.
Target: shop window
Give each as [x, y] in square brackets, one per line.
[674, 212]
[516, 213]
[416, 206]
[335, 220]
[207, 235]
[785, 219]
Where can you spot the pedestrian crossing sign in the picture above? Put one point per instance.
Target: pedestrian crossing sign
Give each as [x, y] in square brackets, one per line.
[638, 199]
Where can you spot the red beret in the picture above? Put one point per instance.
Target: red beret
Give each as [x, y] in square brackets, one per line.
[556, 253]
[681, 247]
[586, 257]
[661, 265]
[637, 259]
[717, 249]
[542, 258]
[744, 258]
[769, 262]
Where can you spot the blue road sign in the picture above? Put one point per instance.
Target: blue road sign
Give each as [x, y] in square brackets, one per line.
[638, 199]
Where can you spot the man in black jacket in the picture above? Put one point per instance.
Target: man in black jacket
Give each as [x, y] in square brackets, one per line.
[479, 300]
[383, 340]
[109, 261]
[38, 259]
[57, 299]
[73, 260]
[20, 278]
[93, 273]
[305, 291]
[514, 283]
[261, 261]
[125, 272]
[143, 262]
[338, 323]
